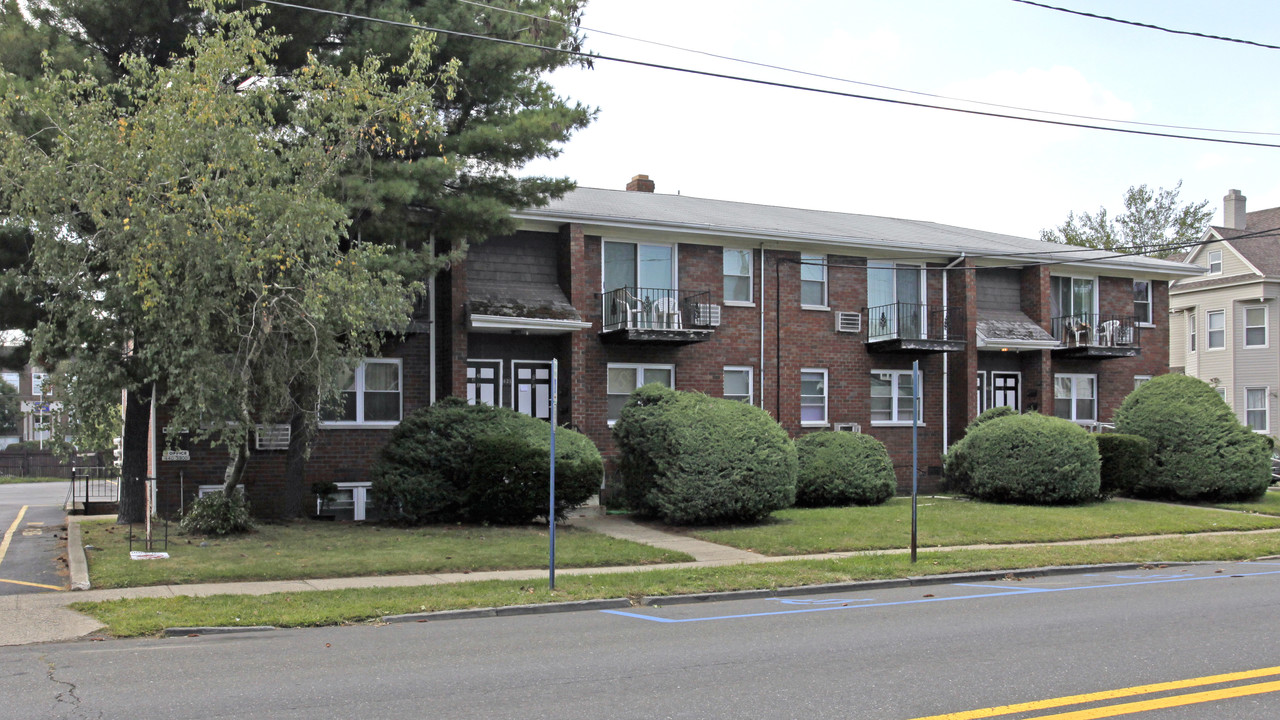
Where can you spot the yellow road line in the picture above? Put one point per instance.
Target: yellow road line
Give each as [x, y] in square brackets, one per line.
[8, 536]
[31, 584]
[1167, 702]
[1105, 695]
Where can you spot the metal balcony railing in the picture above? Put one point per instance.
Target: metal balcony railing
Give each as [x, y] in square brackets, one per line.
[914, 321]
[637, 308]
[1098, 331]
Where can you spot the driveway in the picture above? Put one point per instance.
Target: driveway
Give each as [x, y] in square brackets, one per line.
[33, 540]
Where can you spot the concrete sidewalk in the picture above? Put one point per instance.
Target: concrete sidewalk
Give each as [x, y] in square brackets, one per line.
[45, 617]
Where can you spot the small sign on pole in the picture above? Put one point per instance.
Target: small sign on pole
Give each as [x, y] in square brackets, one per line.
[551, 512]
[915, 448]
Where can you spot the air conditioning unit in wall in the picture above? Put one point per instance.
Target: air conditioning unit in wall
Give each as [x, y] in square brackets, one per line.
[708, 315]
[848, 322]
[272, 437]
[848, 427]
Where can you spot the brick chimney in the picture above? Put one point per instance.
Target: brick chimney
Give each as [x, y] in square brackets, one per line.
[1233, 210]
[640, 183]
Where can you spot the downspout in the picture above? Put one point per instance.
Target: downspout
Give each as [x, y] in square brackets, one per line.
[762, 326]
[946, 430]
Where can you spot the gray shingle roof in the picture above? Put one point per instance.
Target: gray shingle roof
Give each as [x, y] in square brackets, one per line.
[1263, 251]
[783, 224]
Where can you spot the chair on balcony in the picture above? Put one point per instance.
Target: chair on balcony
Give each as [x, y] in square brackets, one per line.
[624, 303]
[1109, 333]
[666, 313]
[1082, 333]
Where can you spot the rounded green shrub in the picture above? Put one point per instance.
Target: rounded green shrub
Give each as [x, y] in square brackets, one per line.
[991, 414]
[217, 514]
[1031, 459]
[476, 463]
[1126, 461]
[842, 468]
[1200, 451]
[955, 475]
[688, 458]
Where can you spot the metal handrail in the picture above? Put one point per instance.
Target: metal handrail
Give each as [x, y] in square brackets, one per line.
[1095, 330]
[637, 308]
[914, 321]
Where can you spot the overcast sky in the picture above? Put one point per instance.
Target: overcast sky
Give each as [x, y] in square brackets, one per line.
[734, 141]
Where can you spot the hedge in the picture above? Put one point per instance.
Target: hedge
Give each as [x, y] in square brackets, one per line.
[688, 458]
[1126, 461]
[842, 468]
[1200, 452]
[1032, 459]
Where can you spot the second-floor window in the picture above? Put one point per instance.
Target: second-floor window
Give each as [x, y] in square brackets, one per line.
[1216, 326]
[639, 265]
[12, 378]
[37, 382]
[1072, 297]
[737, 275]
[1215, 262]
[1191, 332]
[1255, 327]
[1142, 301]
[813, 280]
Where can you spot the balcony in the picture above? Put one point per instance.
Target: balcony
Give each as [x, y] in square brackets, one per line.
[656, 316]
[915, 328]
[1099, 337]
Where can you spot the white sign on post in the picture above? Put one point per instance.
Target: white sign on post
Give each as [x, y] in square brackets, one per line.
[176, 455]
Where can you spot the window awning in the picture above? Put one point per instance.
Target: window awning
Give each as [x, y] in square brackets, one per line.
[1011, 330]
[533, 308]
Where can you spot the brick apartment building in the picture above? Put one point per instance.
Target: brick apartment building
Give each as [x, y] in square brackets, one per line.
[814, 316]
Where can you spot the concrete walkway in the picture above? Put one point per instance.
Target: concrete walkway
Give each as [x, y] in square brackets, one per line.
[45, 617]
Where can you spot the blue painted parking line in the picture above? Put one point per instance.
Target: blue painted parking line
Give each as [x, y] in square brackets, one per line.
[1000, 591]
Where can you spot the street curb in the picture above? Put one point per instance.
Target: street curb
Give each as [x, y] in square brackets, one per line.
[77, 565]
[510, 610]
[915, 581]
[227, 630]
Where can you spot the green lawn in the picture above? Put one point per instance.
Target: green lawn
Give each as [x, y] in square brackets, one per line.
[11, 479]
[150, 615]
[945, 522]
[1269, 505]
[308, 549]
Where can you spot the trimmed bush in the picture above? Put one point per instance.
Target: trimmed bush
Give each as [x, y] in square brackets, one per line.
[1201, 452]
[991, 414]
[217, 514]
[692, 459]
[476, 463]
[842, 468]
[955, 475]
[1126, 461]
[1031, 459]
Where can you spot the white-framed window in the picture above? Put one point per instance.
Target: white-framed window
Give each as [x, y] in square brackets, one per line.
[624, 378]
[12, 378]
[1191, 331]
[1142, 301]
[1255, 326]
[1140, 380]
[813, 280]
[1257, 409]
[37, 382]
[813, 397]
[1075, 397]
[1216, 327]
[1215, 262]
[737, 276]
[349, 501]
[737, 383]
[372, 395]
[892, 397]
[1222, 393]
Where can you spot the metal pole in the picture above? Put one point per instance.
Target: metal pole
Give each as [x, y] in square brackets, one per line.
[915, 448]
[551, 513]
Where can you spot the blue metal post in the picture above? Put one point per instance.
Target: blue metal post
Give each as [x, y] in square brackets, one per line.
[551, 513]
[915, 448]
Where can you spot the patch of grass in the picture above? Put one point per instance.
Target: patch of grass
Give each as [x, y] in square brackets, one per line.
[308, 549]
[947, 522]
[13, 480]
[148, 616]
[1268, 505]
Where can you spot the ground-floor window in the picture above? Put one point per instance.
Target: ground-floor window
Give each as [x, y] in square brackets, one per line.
[1138, 380]
[1075, 397]
[371, 395]
[813, 396]
[626, 377]
[737, 384]
[892, 397]
[1257, 408]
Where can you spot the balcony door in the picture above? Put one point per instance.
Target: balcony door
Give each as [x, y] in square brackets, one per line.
[895, 300]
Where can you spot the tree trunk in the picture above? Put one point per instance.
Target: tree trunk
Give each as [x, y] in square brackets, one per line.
[295, 463]
[133, 450]
[235, 468]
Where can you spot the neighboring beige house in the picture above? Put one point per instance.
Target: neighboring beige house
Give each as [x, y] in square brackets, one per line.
[1223, 324]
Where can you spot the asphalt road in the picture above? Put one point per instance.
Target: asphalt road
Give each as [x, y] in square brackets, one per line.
[32, 538]
[888, 654]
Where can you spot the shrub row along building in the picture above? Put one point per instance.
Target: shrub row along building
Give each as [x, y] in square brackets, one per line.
[814, 316]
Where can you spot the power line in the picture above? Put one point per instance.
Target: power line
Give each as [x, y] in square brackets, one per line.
[771, 83]
[891, 88]
[1148, 25]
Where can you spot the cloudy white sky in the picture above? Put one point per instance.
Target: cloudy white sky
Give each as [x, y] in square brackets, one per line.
[728, 140]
